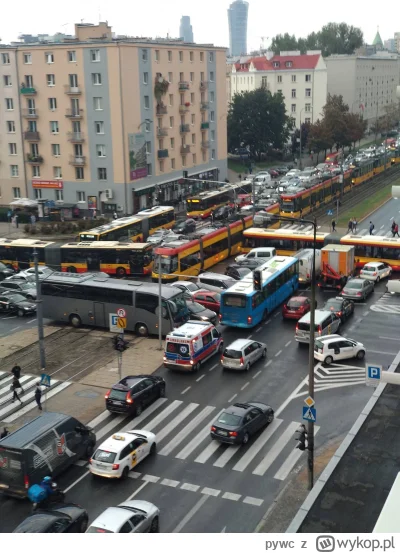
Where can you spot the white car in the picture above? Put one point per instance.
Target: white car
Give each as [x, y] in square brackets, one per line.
[293, 173]
[334, 347]
[158, 236]
[375, 270]
[42, 270]
[121, 452]
[130, 517]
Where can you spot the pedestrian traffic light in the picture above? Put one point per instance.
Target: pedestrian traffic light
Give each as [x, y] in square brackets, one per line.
[302, 438]
[257, 279]
[119, 343]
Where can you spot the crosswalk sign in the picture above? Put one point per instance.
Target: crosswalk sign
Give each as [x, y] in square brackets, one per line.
[329, 212]
[45, 380]
[309, 414]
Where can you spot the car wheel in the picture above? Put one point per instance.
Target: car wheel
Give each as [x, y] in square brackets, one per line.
[246, 438]
[155, 526]
[71, 269]
[75, 320]
[83, 525]
[360, 354]
[125, 473]
[141, 330]
[20, 313]
[196, 367]
[270, 418]
[378, 279]
[139, 409]
[264, 353]
[247, 367]
[153, 449]
[161, 392]
[121, 272]
[328, 360]
[29, 297]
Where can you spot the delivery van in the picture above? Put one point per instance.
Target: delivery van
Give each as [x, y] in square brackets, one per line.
[305, 258]
[45, 446]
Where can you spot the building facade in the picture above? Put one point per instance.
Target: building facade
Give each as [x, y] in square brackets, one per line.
[237, 19]
[367, 83]
[112, 124]
[186, 29]
[301, 79]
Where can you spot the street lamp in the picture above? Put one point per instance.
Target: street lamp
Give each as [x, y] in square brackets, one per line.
[301, 152]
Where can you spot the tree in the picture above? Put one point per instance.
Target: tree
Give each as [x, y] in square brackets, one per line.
[258, 120]
[319, 137]
[335, 119]
[281, 43]
[356, 127]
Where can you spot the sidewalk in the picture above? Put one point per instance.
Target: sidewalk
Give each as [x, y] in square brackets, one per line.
[7, 230]
[20, 340]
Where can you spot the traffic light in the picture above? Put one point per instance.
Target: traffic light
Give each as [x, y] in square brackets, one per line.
[119, 343]
[257, 279]
[302, 438]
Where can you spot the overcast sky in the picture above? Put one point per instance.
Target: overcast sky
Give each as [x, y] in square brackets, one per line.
[209, 18]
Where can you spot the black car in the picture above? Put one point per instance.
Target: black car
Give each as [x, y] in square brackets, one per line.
[133, 393]
[342, 307]
[222, 213]
[237, 271]
[251, 263]
[60, 518]
[236, 424]
[198, 312]
[5, 271]
[16, 303]
[185, 227]
[27, 289]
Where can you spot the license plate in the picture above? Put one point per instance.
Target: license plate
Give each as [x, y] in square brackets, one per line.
[222, 432]
[117, 402]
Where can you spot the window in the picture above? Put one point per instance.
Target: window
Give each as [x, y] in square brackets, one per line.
[169, 55]
[279, 78]
[276, 64]
[193, 138]
[35, 171]
[95, 55]
[101, 150]
[183, 161]
[202, 76]
[212, 76]
[52, 104]
[307, 120]
[102, 173]
[279, 91]
[14, 173]
[293, 108]
[27, 58]
[149, 169]
[5, 58]
[170, 76]
[51, 80]
[99, 127]
[173, 163]
[293, 93]
[192, 118]
[144, 55]
[157, 55]
[171, 99]
[96, 78]
[307, 107]
[308, 92]
[172, 140]
[181, 76]
[78, 150]
[55, 150]
[308, 78]
[180, 56]
[11, 126]
[71, 55]
[57, 173]
[293, 78]
[204, 155]
[171, 122]
[192, 97]
[147, 126]
[201, 56]
[191, 56]
[212, 135]
[60, 195]
[9, 104]
[288, 64]
[212, 116]
[161, 144]
[54, 127]
[98, 103]
[49, 57]
[161, 165]
[28, 81]
[81, 196]
[34, 150]
[212, 96]
[191, 76]
[16, 190]
[194, 159]
[7, 80]
[145, 78]
[211, 56]
[12, 148]
[212, 154]
[147, 102]
[79, 175]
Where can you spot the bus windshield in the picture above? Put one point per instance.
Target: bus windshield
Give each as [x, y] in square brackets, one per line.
[169, 264]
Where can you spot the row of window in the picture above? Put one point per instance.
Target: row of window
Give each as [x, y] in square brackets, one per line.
[264, 79]
[170, 77]
[56, 150]
[158, 54]
[185, 160]
[51, 80]
[57, 173]
[49, 57]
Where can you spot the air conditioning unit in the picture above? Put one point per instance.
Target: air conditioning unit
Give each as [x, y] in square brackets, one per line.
[109, 193]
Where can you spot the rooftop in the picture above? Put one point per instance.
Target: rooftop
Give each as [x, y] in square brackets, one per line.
[274, 62]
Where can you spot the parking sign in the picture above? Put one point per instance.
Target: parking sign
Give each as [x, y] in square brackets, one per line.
[373, 375]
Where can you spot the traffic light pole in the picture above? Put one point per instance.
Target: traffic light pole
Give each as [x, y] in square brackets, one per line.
[39, 313]
[311, 365]
[119, 354]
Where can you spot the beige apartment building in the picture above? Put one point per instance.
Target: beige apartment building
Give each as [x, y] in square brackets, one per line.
[111, 123]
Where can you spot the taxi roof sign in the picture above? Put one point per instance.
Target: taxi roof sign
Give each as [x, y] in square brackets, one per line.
[119, 437]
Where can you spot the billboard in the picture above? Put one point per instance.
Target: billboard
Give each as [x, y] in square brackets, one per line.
[47, 184]
[137, 156]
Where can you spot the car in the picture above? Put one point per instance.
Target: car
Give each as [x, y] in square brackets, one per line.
[122, 452]
[158, 236]
[59, 519]
[282, 170]
[27, 289]
[336, 348]
[215, 281]
[236, 424]
[42, 270]
[133, 393]
[22, 278]
[251, 263]
[357, 289]
[237, 271]
[293, 172]
[198, 312]
[341, 306]
[376, 271]
[185, 227]
[296, 307]
[274, 173]
[393, 287]
[5, 271]
[209, 299]
[130, 517]
[242, 353]
[264, 253]
[11, 302]
[186, 286]
[222, 213]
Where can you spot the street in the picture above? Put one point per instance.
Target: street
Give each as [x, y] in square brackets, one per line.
[382, 218]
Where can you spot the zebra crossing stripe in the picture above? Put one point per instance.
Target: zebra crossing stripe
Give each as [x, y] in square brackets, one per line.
[293, 458]
[207, 452]
[275, 450]
[196, 441]
[163, 415]
[59, 388]
[177, 420]
[257, 445]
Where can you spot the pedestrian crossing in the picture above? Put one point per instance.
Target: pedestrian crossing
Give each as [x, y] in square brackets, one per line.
[9, 411]
[388, 303]
[183, 433]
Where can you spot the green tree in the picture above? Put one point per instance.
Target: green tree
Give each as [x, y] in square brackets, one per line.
[258, 120]
[284, 42]
[319, 138]
[335, 113]
[356, 127]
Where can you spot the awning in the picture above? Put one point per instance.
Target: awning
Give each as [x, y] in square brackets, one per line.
[24, 202]
[143, 191]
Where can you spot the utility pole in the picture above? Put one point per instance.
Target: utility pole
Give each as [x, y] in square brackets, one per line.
[39, 313]
[160, 347]
[253, 191]
[311, 365]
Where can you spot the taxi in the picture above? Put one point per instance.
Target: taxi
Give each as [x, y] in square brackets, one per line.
[121, 452]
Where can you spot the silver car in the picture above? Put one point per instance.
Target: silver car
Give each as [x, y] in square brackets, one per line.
[241, 354]
[130, 517]
[358, 289]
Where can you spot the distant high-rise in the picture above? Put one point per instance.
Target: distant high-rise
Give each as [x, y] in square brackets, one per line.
[237, 17]
[185, 29]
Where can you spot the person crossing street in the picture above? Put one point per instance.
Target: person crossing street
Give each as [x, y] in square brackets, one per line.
[38, 396]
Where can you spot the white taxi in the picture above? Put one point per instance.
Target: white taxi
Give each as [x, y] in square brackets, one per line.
[121, 452]
[375, 270]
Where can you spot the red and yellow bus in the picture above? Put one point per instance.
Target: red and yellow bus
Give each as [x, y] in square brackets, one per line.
[202, 205]
[18, 254]
[285, 241]
[373, 248]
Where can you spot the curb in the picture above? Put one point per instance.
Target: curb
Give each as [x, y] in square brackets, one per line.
[376, 209]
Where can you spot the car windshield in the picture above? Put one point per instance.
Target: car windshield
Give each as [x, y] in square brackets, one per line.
[333, 304]
[195, 307]
[104, 456]
[232, 353]
[96, 530]
[229, 419]
[355, 284]
[16, 298]
[192, 286]
[2, 266]
[371, 269]
[295, 303]
[117, 394]
[25, 286]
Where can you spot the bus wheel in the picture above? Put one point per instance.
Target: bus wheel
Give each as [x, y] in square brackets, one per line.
[142, 330]
[75, 320]
[121, 272]
[71, 269]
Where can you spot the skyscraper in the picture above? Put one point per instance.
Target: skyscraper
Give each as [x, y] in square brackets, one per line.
[185, 29]
[237, 17]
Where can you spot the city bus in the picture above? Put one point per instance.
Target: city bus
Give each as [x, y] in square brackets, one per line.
[114, 258]
[18, 254]
[204, 203]
[91, 300]
[243, 306]
[285, 241]
[135, 228]
[371, 248]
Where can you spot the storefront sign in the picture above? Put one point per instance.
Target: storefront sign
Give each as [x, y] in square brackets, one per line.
[92, 202]
[48, 184]
[137, 156]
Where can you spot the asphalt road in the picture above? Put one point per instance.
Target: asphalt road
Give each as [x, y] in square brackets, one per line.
[202, 487]
[382, 218]
[11, 323]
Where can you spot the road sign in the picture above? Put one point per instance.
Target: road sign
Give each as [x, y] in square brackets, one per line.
[309, 414]
[121, 312]
[329, 212]
[121, 322]
[45, 380]
[373, 375]
[309, 401]
[113, 323]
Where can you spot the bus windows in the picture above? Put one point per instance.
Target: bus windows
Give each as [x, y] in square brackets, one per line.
[215, 248]
[169, 264]
[271, 287]
[256, 300]
[234, 300]
[190, 260]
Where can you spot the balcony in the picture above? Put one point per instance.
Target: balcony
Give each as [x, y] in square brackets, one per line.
[77, 161]
[161, 109]
[184, 128]
[31, 136]
[205, 125]
[204, 106]
[76, 137]
[30, 158]
[183, 108]
[161, 154]
[162, 131]
[205, 144]
[203, 85]
[183, 85]
[185, 149]
[30, 113]
[28, 90]
[74, 113]
[73, 90]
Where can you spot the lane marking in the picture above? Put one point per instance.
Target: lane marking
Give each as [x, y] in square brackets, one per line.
[231, 496]
[207, 452]
[150, 478]
[279, 352]
[76, 481]
[31, 321]
[213, 367]
[244, 386]
[276, 314]
[276, 449]
[267, 364]
[210, 491]
[163, 415]
[196, 441]
[256, 447]
[383, 226]
[200, 378]
[267, 322]
[257, 374]
[259, 329]
[190, 514]
[253, 501]
[388, 338]
[170, 483]
[190, 487]
[250, 337]
[140, 488]
[232, 398]
[185, 390]
[134, 475]
[288, 344]
[146, 413]
[226, 456]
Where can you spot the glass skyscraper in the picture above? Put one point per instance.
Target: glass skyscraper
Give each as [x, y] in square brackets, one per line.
[237, 17]
[185, 29]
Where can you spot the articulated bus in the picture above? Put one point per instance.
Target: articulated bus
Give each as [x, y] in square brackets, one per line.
[135, 228]
[204, 203]
[285, 241]
[90, 300]
[371, 248]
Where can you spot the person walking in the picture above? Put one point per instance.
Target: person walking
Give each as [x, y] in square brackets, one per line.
[333, 225]
[393, 227]
[16, 371]
[350, 226]
[16, 220]
[115, 216]
[4, 434]
[371, 228]
[396, 230]
[355, 225]
[16, 385]
[38, 396]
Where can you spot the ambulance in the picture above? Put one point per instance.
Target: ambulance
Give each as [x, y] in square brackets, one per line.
[188, 346]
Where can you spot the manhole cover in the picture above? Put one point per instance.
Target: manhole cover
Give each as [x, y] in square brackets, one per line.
[87, 393]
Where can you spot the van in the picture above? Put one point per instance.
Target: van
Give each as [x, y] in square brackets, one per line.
[211, 281]
[326, 323]
[305, 258]
[265, 254]
[45, 446]
[188, 346]
[393, 286]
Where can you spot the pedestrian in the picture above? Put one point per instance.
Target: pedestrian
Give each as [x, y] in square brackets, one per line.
[240, 177]
[396, 230]
[16, 220]
[333, 225]
[16, 385]
[16, 371]
[115, 216]
[212, 216]
[4, 433]
[355, 225]
[350, 226]
[38, 396]
[33, 220]
[371, 228]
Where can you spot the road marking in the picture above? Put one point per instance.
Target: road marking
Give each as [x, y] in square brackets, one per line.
[267, 322]
[196, 441]
[383, 226]
[256, 447]
[163, 415]
[102, 417]
[31, 321]
[185, 390]
[190, 487]
[81, 463]
[190, 514]
[207, 452]
[291, 460]
[213, 367]
[134, 475]
[388, 353]
[15, 328]
[393, 217]
[140, 488]
[150, 478]
[388, 338]
[279, 352]
[253, 501]
[177, 420]
[200, 378]
[13, 317]
[267, 364]
[276, 315]
[250, 337]
[226, 456]
[244, 386]
[211, 491]
[257, 374]
[146, 413]
[170, 483]
[259, 329]
[288, 344]
[232, 497]
[275, 450]
[76, 481]
[232, 398]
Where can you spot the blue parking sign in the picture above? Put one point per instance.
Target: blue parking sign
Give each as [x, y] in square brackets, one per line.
[373, 375]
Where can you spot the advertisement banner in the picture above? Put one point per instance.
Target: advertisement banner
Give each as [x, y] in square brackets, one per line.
[137, 156]
[47, 184]
[92, 202]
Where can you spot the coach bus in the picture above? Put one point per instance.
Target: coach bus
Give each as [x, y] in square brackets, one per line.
[91, 300]
[204, 203]
[244, 307]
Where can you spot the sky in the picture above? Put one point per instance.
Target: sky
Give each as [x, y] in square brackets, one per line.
[152, 18]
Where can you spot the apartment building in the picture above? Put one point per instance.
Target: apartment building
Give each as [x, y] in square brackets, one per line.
[300, 78]
[113, 124]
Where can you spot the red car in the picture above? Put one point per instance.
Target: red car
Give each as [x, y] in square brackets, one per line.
[211, 300]
[296, 307]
